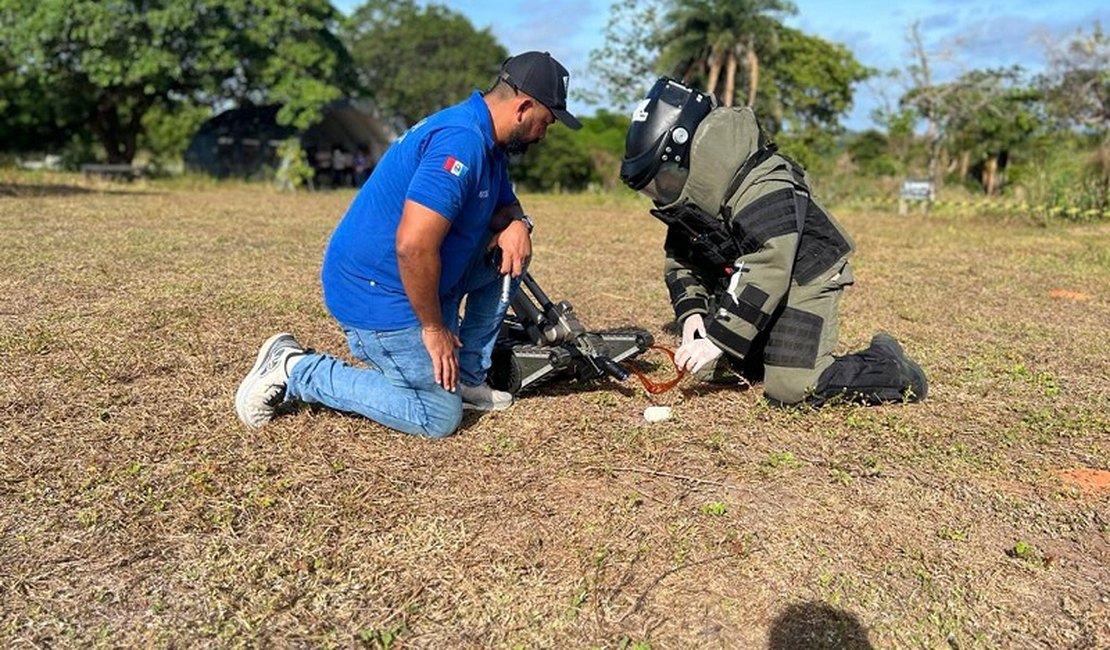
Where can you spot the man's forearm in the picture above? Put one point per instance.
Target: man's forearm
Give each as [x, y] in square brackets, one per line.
[419, 238]
[420, 270]
[505, 215]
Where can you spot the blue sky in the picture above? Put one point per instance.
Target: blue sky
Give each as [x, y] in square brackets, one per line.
[963, 34]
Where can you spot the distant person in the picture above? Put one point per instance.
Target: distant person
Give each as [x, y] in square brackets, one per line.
[361, 165]
[755, 266]
[340, 166]
[437, 221]
[321, 163]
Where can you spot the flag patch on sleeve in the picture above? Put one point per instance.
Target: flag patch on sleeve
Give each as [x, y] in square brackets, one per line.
[455, 166]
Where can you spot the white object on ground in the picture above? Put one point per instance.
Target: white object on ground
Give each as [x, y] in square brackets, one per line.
[657, 413]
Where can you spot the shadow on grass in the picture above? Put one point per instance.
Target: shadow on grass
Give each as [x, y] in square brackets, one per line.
[817, 626]
[21, 191]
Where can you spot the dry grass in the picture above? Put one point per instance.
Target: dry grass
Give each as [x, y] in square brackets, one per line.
[136, 511]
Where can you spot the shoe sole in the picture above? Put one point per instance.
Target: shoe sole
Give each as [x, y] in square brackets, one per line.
[474, 407]
[241, 393]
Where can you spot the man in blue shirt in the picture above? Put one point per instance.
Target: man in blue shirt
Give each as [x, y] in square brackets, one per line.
[436, 222]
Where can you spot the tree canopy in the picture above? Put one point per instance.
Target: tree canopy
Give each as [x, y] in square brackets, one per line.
[118, 60]
[706, 38]
[415, 60]
[625, 65]
[807, 82]
[808, 86]
[35, 113]
[1078, 81]
[575, 160]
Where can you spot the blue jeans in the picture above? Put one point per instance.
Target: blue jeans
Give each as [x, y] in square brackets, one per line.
[398, 388]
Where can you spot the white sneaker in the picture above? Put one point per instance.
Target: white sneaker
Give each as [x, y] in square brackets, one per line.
[484, 398]
[263, 388]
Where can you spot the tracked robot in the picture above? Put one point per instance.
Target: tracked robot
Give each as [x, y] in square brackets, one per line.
[541, 341]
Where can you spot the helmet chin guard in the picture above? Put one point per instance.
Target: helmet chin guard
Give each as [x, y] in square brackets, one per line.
[656, 150]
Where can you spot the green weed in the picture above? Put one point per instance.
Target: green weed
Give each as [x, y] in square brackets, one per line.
[952, 534]
[1046, 381]
[1023, 550]
[782, 460]
[872, 466]
[714, 509]
[501, 445]
[381, 639]
[627, 643]
[576, 602]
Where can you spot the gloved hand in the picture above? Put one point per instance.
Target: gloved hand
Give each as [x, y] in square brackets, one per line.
[693, 356]
[693, 328]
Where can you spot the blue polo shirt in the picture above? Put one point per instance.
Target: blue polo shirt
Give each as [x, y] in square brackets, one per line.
[448, 163]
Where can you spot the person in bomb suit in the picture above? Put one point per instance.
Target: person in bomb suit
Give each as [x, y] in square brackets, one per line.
[755, 266]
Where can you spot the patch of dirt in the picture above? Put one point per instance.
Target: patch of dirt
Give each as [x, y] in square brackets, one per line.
[1068, 294]
[1091, 481]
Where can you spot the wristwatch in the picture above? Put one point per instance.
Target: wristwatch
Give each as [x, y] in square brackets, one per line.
[527, 221]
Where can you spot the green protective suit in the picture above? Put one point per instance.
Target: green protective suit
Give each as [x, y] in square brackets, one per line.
[773, 310]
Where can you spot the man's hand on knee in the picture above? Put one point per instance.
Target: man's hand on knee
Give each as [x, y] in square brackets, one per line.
[442, 345]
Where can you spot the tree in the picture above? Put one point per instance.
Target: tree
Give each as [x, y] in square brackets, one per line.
[924, 97]
[415, 60]
[1077, 85]
[33, 111]
[121, 59]
[560, 163]
[870, 151]
[1078, 92]
[625, 66]
[976, 114]
[168, 129]
[711, 36]
[947, 106]
[808, 86]
[604, 135]
[987, 115]
[573, 160]
[899, 122]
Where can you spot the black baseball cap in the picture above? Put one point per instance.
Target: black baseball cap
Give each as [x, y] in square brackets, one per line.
[539, 75]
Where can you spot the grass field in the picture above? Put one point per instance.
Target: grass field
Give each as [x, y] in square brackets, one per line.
[137, 511]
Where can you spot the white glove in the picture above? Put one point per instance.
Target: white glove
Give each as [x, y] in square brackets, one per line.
[696, 354]
[693, 328]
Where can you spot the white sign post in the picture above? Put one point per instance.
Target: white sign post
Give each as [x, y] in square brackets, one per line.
[917, 191]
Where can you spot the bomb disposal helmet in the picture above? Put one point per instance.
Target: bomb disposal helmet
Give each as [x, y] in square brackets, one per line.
[657, 149]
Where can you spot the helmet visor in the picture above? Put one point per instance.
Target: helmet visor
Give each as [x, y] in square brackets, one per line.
[667, 184]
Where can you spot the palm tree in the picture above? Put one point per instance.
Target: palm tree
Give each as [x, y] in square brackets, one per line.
[711, 36]
[684, 48]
